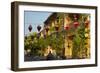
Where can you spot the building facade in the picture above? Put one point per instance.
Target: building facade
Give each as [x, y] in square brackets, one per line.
[70, 25]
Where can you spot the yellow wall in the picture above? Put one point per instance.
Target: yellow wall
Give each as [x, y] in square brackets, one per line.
[68, 50]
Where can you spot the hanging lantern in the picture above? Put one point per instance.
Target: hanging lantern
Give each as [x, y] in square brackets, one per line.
[38, 27]
[30, 28]
[67, 28]
[76, 24]
[76, 16]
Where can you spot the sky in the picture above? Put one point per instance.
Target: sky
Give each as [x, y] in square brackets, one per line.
[34, 18]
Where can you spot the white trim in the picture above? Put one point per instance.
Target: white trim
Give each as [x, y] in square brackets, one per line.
[23, 64]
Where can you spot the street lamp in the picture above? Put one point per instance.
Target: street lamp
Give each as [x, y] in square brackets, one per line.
[29, 50]
[38, 28]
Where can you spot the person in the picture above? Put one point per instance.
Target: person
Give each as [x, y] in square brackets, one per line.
[50, 56]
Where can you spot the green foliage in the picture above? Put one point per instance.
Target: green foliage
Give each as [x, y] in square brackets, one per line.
[39, 44]
[79, 41]
[57, 42]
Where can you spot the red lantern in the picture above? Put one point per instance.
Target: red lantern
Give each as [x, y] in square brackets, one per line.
[76, 16]
[76, 24]
[67, 27]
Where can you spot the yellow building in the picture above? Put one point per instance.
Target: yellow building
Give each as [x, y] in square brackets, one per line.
[63, 22]
[87, 35]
